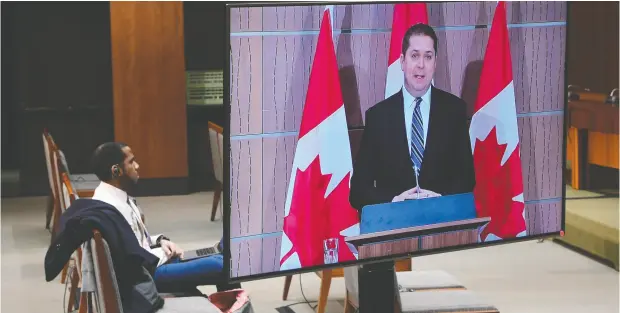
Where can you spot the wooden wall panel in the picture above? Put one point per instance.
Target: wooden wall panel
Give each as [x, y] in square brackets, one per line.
[246, 19]
[277, 160]
[287, 62]
[363, 16]
[603, 149]
[246, 187]
[541, 139]
[379, 16]
[537, 58]
[277, 165]
[362, 62]
[543, 218]
[292, 18]
[538, 66]
[271, 253]
[247, 85]
[148, 68]
[459, 62]
[246, 256]
[252, 256]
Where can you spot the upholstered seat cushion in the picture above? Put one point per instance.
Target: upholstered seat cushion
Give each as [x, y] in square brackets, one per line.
[189, 305]
[444, 301]
[421, 280]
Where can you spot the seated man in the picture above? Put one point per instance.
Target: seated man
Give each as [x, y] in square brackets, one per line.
[116, 167]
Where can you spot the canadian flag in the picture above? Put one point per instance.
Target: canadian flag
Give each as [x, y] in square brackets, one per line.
[495, 140]
[317, 200]
[405, 16]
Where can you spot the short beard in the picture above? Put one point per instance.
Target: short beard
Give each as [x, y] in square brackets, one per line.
[128, 185]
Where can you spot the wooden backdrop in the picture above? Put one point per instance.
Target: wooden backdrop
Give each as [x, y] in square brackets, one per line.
[272, 52]
[148, 74]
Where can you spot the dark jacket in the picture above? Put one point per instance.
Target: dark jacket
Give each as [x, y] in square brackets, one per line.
[383, 168]
[129, 258]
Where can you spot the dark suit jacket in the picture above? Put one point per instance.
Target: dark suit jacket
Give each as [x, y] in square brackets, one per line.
[383, 168]
[129, 258]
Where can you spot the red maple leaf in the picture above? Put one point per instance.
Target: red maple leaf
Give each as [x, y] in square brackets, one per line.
[496, 186]
[314, 218]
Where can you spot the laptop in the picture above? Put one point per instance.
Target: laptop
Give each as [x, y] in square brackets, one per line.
[201, 253]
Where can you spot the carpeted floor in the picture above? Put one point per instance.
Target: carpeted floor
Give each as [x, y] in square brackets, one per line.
[525, 277]
[592, 223]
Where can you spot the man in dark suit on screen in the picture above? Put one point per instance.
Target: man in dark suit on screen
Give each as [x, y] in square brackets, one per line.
[419, 128]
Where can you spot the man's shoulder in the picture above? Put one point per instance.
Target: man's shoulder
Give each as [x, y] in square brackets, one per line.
[385, 104]
[444, 96]
[448, 100]
[89, 207]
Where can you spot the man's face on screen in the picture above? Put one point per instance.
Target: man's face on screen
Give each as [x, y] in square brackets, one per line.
[418, 64]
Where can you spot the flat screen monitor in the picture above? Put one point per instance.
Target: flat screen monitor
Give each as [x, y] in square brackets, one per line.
[366, 132]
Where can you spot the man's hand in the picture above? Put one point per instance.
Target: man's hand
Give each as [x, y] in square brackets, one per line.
[412, 194]
[171, 249]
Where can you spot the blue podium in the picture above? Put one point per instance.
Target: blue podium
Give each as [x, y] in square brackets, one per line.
[406, 227]
[420, 212]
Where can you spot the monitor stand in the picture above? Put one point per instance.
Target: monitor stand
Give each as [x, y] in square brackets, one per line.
[378, 288]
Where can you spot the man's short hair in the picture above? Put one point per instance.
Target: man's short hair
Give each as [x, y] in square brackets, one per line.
[419, 29]
[105, 156]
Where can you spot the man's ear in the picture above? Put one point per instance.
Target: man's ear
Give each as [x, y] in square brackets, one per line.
[117, 171]
[402, 62]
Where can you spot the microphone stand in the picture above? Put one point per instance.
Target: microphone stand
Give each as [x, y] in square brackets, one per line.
[417, 182]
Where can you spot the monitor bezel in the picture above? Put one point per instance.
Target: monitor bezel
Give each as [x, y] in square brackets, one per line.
[226, 208]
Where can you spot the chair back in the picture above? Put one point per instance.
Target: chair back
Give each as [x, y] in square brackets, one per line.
[59, 203]
[216, 140]
[68, 193]
[54, 176]
[106, 296]
[48, 161]
[57, 180]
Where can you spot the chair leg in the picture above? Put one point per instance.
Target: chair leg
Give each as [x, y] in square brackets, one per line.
[287, 285]
[63, 277]
[56, 220]
[348, 307]
[49, 210]
[216, 200]
[83, 303]
[326, 281]
[73, 291]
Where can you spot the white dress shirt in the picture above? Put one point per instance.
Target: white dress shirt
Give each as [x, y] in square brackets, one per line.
[425, 109]
[119, 199]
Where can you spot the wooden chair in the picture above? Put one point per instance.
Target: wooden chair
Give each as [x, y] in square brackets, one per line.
[107, 297]
[326, 280]
[53, 201]
[68, 197]
[52, 196]
[62, 185]
[84, 184]
[216, 141]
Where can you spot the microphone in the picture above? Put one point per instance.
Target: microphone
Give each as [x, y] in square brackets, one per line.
[417, 183]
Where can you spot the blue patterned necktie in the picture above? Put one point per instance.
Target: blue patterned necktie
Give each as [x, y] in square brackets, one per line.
[417, 135]
[147, 237]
